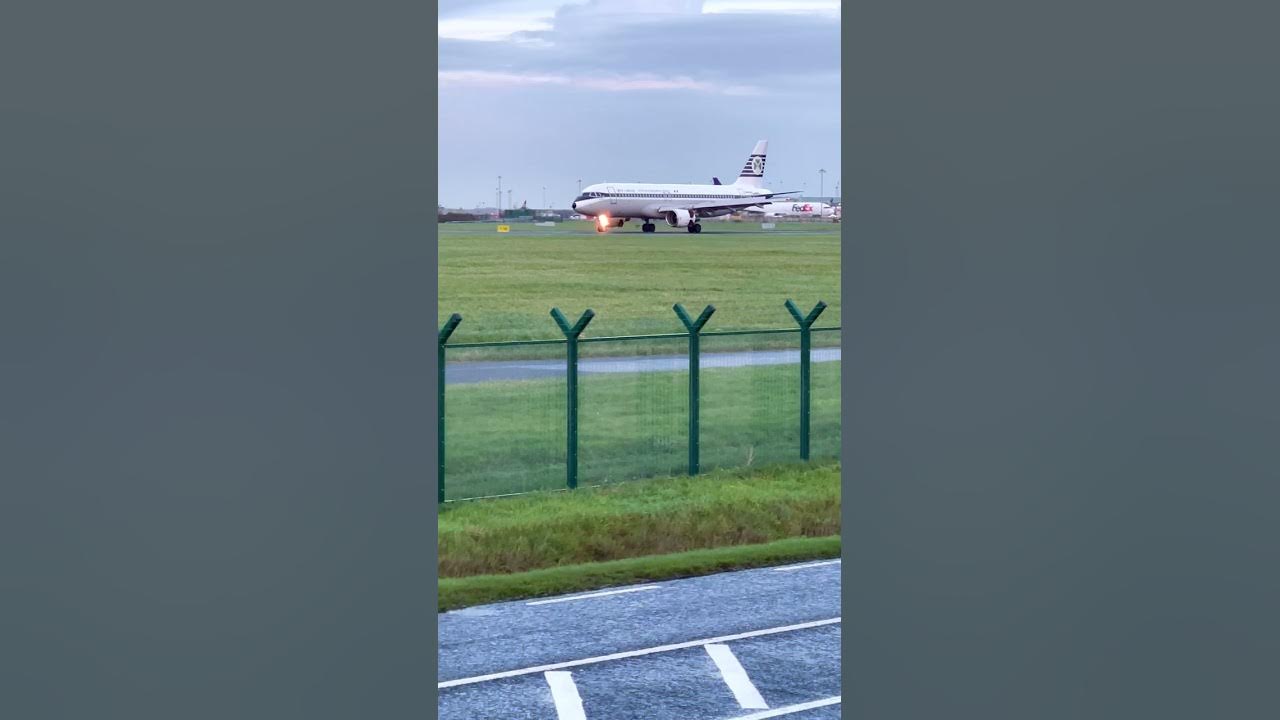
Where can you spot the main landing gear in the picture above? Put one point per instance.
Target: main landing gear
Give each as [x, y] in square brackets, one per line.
[648, 226]
[694, 227]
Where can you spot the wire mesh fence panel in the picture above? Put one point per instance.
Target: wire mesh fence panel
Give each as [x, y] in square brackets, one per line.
[824, 410]
[824, 337]
[504, 425]
[750, 404]
[507, 414]
[633, 409]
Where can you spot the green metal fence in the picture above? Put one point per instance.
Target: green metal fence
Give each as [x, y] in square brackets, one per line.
[622, 408]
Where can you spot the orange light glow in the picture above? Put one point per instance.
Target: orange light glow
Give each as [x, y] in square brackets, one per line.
[603, 220]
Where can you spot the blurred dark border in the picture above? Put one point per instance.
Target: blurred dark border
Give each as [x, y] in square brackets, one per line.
[217, 300]
[1060, 395]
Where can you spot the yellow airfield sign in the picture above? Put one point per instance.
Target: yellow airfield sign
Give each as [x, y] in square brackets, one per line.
[504, 228]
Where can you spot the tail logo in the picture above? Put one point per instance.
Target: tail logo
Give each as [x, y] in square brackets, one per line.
[757, 165]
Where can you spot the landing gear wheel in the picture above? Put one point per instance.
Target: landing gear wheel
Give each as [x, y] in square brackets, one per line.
[599, 228]
[695, 227]
[648, 227]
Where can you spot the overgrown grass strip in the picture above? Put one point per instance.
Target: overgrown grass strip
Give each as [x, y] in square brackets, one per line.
[640, 519]
[457, 593]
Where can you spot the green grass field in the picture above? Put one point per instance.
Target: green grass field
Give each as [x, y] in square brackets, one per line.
[509, 437]
[550, 543]
[505, 284]
[752, 504]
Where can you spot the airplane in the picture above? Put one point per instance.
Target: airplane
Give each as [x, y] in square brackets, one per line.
[680, 205]
[793, 209]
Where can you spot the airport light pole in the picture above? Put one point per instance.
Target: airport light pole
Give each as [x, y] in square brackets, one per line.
[544, 197]
[499, 196]
[822, 176]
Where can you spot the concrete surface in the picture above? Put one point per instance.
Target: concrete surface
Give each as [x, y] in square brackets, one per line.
[457, 373]
[642, 654]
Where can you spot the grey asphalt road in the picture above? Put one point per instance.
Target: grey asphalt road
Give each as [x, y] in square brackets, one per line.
[489, 371]
[732, 646]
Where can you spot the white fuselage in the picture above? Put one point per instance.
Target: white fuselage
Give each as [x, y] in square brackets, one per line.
[647, 200]
[794, 209]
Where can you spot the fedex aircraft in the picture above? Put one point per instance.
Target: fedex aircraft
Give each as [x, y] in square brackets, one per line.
[680, 205]
[794, 209]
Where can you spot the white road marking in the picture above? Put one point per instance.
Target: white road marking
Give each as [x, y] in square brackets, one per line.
[635, 653]
[807, 565]
[736, 678]
[790, 709]
[594, 595]
[565, 695]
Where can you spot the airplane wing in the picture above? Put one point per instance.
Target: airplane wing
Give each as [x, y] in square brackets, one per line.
[721, 205]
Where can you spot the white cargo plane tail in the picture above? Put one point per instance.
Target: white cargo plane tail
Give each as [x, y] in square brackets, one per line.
[680, 205]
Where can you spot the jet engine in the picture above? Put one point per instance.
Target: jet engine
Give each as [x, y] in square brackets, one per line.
[678, 218]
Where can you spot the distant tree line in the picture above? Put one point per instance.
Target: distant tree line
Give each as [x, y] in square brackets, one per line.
[456, 217]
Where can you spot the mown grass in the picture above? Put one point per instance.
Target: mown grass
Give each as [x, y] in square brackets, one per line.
[505, 284]
[637, 520]
[457, 593]
[509, 437]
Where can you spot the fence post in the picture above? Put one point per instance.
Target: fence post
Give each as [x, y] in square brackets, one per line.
[805, 322]
[571, 381]
[694, 327]
[450, 325]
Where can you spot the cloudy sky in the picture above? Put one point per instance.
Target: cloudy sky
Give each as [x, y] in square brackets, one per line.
[547, 92]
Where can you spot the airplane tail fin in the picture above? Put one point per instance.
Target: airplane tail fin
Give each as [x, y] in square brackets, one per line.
[752, 175]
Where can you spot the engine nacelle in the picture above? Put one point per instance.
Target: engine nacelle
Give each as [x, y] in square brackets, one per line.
[678, 218]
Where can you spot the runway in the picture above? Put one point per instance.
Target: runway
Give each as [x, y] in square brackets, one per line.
[461, 373]
[742, 645]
